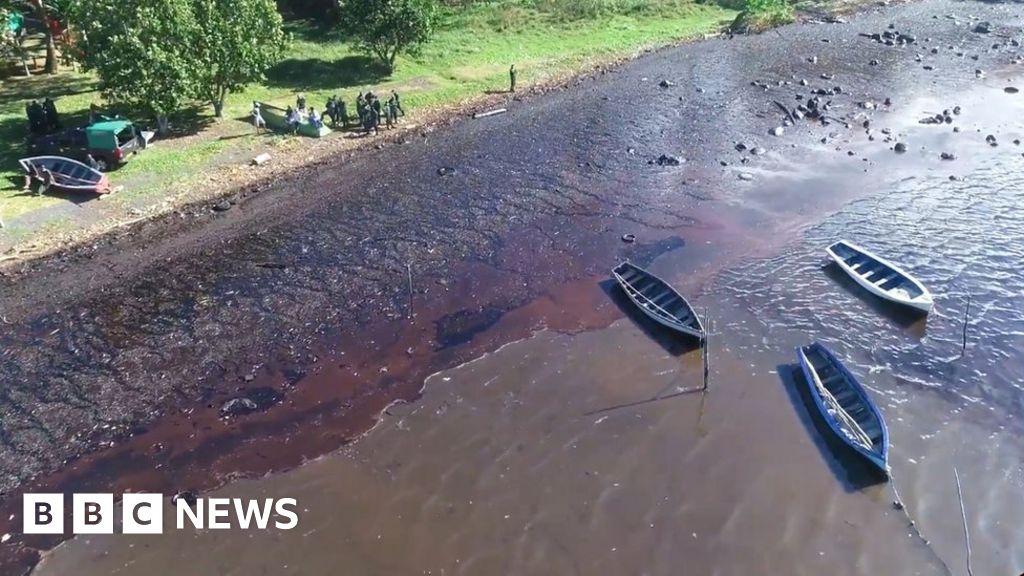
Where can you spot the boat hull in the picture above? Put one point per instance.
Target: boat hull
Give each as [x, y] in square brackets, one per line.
[921, 303]
[70, 175]
[696, 330]
[879, 459]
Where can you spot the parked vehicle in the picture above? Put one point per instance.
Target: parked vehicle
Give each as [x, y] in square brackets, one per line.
[110, 142]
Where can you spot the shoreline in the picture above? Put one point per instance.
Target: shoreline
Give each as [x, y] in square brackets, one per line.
[315, 153]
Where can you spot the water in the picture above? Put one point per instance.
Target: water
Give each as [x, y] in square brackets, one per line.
[535, 459]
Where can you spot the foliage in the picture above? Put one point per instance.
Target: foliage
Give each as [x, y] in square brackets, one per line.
[386, 28]
[239, 40]
[144, 51]
[760, 15]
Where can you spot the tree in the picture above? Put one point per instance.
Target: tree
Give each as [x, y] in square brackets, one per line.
[11, 38]
[144, 51]
[239, 40]
[387, 27]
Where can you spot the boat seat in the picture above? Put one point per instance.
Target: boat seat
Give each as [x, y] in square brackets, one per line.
[887, 278]
[855, 259]
[892, 283]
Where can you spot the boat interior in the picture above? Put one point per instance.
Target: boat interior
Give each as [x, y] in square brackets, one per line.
[876, 272]
[657, 296]
[844, 393]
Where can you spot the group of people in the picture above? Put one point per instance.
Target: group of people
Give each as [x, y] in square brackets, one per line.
[369, 110]
[42, 118]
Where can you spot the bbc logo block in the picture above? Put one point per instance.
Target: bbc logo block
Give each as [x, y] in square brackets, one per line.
[93, 513]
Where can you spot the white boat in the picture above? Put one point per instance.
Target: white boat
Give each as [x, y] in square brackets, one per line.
[658, 300]
[879, 276]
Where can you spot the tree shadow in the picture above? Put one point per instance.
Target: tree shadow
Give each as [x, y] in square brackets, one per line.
[73, 197]
[38, 87]
[315, 26]
[317, 74]
[673, 343]
[848, 467]
[910, 319]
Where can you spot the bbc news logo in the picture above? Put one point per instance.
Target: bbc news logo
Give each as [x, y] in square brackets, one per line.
[143, 513]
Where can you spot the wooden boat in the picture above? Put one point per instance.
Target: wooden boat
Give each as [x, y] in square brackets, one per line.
[879, 276]
[70, 175]
[658, 300]
[845, 405]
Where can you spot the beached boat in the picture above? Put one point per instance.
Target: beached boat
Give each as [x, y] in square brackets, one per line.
[845, 405]
[276, 119]
[70, 175]
[658, 300]
[879, 276]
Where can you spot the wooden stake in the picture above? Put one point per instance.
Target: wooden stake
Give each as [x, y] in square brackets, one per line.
[704, 349]
[963, 516]
[408, 268]
[967, 316]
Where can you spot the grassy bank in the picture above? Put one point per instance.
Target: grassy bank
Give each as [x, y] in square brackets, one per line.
[468, 57]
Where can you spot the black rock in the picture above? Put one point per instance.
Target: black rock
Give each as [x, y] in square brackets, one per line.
[900, 147]
[666, 84]
[445, 171]
[983, 27]
[1010, 90]
[222, 206]
[757, 151]
[740, 146]
[667, 160]
[188, 496]
[947, 156]
[956, 110]
[991, 140]
[873, 63]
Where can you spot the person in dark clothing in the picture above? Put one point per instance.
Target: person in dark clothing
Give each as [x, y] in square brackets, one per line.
[392, 111]
[398, 102]
[51, 118]
[92, 162]
[372, 121]
[376, 107]
[343, 113]
[361, 108]
[300, 103]
[329, 111]
[36, 119]
[512, 78]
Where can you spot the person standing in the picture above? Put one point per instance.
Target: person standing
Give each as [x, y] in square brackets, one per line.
[257, 118]
[45, 181]
[92, 162]
[398, 102]
[300, 103]
[392, 111]
[343, 112]
[376, 107]
[361, 108]
[512, 78]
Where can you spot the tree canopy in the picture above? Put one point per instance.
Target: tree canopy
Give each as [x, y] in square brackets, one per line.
[142, 50]
[161, 54]
[386, 28]
[239, 40]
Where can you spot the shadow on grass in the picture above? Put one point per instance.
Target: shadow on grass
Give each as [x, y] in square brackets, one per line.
[317, 74]
[852, 471]
[73, 197]
[42, 86]
[323, 28]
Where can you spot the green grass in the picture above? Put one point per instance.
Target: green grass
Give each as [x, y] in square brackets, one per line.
[469, 55]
